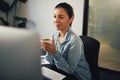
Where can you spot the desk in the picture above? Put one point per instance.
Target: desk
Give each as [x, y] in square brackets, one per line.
[54, 68]
[46, 64]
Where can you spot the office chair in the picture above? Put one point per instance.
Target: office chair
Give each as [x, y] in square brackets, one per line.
[91, 50]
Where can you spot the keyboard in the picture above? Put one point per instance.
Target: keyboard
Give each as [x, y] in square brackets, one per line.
[51, 75]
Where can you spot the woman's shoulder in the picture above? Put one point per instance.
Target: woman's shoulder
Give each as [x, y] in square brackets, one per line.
[75, 38]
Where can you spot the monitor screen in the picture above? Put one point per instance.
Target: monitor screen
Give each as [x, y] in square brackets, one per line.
[19, 54]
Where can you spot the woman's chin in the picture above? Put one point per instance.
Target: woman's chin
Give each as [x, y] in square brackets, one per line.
[57, 28]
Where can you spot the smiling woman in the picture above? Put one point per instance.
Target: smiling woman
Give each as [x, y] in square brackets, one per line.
[66, 51]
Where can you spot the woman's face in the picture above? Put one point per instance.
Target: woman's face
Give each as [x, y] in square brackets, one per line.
[61, 19]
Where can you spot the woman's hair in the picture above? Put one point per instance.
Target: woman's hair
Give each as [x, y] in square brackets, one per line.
[68, 8]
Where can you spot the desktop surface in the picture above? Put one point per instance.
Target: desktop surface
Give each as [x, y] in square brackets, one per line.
[51, 72]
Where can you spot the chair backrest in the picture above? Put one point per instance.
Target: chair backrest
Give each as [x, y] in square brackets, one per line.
[91, 50]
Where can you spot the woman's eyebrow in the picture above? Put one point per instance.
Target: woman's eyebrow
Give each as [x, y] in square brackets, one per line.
[59, 15]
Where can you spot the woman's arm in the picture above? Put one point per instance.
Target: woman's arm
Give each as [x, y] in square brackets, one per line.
[74, 54]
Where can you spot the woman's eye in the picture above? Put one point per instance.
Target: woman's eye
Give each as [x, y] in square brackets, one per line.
[61, 17]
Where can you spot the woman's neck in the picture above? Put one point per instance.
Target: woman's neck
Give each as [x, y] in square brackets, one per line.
[62, 33]
[61, 37]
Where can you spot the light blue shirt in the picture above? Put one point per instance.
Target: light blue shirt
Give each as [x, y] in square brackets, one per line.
[70, 56]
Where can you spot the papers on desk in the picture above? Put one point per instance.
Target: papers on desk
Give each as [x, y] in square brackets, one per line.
[52, 74]
[43, 60]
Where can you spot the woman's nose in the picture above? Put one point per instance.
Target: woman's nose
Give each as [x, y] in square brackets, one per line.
[56, 19]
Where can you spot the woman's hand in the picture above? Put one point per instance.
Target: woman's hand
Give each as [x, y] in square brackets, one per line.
[48, 45]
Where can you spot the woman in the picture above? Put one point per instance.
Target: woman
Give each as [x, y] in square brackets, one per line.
[66, 50]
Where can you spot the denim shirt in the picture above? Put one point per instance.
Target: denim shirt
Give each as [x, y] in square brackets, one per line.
[70, 55]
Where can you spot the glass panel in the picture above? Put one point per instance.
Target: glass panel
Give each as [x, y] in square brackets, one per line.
[104, 25]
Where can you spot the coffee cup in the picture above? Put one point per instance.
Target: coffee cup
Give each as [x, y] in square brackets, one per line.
[48, 40]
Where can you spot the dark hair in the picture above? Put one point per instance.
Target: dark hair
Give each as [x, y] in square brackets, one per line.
[68, 8]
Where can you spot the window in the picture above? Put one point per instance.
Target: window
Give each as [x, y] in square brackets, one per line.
[104, 25]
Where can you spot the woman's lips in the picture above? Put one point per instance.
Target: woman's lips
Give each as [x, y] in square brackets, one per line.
[57, 24]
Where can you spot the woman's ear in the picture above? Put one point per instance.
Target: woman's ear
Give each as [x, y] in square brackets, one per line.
[71, 20]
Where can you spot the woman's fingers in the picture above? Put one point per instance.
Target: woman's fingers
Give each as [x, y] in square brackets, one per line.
[52, 40]
[49, 47]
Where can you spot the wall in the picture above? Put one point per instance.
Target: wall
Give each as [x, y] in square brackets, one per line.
[40, 15]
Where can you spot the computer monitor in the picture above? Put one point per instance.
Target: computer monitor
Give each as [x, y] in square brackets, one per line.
[19, 54]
